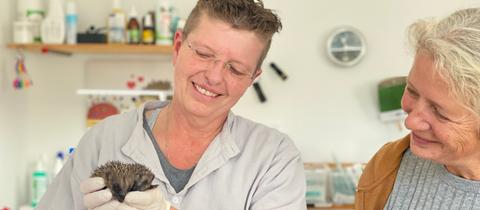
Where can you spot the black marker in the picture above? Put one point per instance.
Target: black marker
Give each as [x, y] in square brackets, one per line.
[278, 71]
[259, 92]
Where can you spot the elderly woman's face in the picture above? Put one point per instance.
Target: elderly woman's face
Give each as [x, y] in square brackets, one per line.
[442, 129]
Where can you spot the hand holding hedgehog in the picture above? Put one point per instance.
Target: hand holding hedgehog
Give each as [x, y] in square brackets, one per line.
[128, 184]
[95, 196]
[150, 199]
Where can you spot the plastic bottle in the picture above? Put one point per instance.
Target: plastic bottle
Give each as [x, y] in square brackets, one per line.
[148, 32]
[53, 26]
[69, 154]
[34, 13]
[57, 167]
[163, 14]
[133, 28]
[116, 24]
[71, 19]
[39, 183]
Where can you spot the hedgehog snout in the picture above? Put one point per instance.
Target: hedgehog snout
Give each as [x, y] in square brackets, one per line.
[118, 192]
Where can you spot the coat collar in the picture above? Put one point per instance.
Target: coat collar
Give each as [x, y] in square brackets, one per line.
[140, 149]
[384, 163]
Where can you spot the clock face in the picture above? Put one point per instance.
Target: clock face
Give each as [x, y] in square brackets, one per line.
[346, 46]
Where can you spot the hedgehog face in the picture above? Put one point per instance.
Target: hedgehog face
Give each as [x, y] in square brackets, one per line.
[119, 185]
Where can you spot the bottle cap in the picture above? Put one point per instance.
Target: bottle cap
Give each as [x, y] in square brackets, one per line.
[40, 167]
[180, 24]
[148, 20]
[70, 150]
[133, 13]
[70, 7]
[60, 155]
[117, 5]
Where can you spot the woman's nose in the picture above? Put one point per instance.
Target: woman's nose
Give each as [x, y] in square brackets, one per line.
[416, 120]
[214, 73]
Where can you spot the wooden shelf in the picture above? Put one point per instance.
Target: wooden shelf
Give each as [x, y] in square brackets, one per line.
[161, 94]
[94, 48]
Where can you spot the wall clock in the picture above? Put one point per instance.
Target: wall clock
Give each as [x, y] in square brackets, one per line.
[346, 46]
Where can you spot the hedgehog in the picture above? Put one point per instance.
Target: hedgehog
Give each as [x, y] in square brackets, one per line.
[122, 178]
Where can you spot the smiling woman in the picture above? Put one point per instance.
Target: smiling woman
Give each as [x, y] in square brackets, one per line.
[443, 129]
[438, 161]
[202, 155]
[208, 67]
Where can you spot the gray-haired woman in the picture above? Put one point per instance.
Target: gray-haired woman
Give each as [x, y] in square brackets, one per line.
[437, 166]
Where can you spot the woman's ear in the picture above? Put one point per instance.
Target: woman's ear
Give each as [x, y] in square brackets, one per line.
[177, 43]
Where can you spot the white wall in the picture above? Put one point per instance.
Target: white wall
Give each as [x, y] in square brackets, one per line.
[325, 109]
[12, 114]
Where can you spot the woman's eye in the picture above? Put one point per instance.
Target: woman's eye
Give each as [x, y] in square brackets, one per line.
[204, 54]
[438, 114]
[235, 71]
[412, 92]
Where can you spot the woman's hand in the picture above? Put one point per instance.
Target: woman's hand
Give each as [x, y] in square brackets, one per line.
[97, 198]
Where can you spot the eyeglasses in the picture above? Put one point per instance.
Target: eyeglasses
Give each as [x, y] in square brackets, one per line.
[207, 57]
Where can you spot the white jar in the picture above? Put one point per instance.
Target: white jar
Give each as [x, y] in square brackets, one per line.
[22, 32]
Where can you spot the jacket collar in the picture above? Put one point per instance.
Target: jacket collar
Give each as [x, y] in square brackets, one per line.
[139, 146]
[384, 163]
[140, 149]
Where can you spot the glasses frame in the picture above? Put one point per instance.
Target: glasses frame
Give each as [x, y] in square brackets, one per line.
[212, 59]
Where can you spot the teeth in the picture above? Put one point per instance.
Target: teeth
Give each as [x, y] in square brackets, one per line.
[205, 92]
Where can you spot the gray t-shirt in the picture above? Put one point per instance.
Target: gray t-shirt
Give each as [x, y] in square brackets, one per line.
[178, 178]
[424, 184]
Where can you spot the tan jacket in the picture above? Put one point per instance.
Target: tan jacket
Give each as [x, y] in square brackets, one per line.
[379, 176]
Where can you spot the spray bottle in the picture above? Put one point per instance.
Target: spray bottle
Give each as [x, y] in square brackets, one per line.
[57, 167]
[163, 19]
[71, 20]
[116, 23]
[39, 183]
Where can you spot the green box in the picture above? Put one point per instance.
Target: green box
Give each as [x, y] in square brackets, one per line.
[390, 92]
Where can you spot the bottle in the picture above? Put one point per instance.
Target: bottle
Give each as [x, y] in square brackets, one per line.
[53, 26]
[133, 28]
[116, 24]
[180, 25]
[69, 154]
[57, 167]
[148, 32]
[163, 13]
[71, 19]
[34, 13]
[39, 183]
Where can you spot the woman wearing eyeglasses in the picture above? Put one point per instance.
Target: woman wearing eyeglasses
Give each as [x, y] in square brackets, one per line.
[203, 155]
[437, 166]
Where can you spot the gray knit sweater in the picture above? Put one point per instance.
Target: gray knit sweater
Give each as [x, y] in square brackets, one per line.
[423, 184]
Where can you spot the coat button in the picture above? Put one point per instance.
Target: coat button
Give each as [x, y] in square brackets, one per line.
[176, 200]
